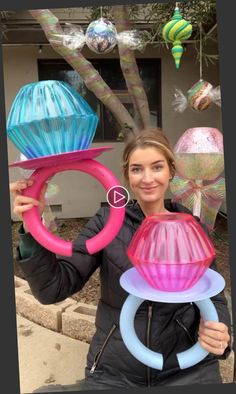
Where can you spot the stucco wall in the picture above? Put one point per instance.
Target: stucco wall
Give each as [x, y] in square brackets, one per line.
[80, 195]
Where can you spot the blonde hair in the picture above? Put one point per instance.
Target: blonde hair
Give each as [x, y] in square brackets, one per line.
[148, 137]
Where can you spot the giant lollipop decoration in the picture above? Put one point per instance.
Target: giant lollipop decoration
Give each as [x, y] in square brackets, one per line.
[53, 126]
[175, 31]
[171, 255]
[200, 162]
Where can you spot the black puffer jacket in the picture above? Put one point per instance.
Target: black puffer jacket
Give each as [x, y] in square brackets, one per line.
[165, 328]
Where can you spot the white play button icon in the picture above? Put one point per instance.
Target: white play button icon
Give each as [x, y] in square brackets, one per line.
[117, 196]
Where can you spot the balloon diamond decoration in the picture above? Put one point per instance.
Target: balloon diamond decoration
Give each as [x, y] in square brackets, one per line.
[53, 127]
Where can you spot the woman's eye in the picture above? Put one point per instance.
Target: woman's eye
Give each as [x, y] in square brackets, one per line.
[157, 168]
[135, 169]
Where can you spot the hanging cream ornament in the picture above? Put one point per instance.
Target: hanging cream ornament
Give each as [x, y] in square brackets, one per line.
[175, 31]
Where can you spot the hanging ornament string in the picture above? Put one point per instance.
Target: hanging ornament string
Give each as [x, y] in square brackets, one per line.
[200, 50]
[101, 11]
[200, 96]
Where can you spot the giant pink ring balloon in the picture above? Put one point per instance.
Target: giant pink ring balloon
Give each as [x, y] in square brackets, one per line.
[54, 243]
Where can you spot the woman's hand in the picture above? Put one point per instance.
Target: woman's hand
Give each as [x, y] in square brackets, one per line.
[22, 203]
[213, 336]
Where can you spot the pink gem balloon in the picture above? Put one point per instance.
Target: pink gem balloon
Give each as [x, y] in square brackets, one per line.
[171, 251]
[199, 153]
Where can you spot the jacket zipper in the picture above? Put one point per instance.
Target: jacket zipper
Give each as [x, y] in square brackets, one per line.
[185, 329]
[99, 354]
[150, 307]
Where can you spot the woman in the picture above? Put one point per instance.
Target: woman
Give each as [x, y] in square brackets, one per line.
[148, 167]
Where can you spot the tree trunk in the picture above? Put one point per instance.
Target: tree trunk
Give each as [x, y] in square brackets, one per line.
[130, 69]
[92, 79]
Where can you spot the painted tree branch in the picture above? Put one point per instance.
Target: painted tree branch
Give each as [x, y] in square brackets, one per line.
[92, 79]
[130, 69]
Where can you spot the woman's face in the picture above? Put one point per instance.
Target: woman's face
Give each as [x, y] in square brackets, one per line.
[149, 174]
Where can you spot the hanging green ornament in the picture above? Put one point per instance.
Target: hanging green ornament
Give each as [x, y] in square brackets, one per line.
[175, 31]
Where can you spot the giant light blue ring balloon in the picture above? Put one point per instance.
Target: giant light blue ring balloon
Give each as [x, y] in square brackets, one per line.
[155, 360]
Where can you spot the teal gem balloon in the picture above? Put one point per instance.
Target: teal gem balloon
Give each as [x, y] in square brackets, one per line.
[50, 117]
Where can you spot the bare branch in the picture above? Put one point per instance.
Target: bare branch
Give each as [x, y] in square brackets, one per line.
[92, 79]
[130, 69]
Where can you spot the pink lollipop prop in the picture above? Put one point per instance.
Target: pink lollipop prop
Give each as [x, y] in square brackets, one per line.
[199, 153]
[54, 243]
[200, 158]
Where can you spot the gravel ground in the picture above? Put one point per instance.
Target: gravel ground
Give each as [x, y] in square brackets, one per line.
[69, 228]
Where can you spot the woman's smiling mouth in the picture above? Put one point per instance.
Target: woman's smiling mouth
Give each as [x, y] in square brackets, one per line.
[148, 189]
